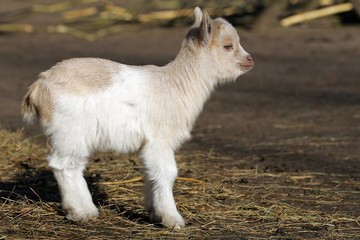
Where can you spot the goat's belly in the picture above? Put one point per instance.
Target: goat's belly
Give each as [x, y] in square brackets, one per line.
[122, 136]
[100, 122]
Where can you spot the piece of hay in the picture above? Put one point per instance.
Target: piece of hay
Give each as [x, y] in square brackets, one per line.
[26, 28]
[306, 16]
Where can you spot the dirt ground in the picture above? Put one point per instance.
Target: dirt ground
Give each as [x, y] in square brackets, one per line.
[284, 136]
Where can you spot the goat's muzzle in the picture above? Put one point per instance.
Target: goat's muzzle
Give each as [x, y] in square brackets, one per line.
[247, 62]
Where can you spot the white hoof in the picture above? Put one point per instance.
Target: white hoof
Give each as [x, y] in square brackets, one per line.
[82, 216]
[173, 221]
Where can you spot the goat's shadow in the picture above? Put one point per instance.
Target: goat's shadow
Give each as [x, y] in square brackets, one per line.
[39, 185]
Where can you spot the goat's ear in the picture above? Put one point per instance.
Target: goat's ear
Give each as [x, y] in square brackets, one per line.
[205, 28]
[198, 17]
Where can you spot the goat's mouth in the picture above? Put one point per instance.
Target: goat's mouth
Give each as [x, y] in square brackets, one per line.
[248, 65]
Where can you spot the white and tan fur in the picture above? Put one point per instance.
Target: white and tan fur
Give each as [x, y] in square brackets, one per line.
[89, 104]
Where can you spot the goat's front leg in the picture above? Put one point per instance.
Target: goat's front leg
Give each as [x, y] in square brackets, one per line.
[161, 172]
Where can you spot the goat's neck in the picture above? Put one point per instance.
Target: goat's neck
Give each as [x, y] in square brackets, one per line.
[192, 77]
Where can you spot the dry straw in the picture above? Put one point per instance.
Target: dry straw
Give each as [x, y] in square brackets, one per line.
[218, 200]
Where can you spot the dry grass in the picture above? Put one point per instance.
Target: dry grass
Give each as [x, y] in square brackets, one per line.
[218, 201]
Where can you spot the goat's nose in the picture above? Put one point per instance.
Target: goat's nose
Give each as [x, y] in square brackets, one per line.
[247, 61]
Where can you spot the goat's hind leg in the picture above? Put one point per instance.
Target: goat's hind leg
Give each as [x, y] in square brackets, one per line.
[76, 198]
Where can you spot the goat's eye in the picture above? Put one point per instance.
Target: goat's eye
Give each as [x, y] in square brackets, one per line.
[228, 47]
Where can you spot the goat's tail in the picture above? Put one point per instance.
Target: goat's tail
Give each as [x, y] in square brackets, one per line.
[29, 109]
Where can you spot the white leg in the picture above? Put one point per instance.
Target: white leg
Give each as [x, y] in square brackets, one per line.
[161, 172]
[76, 197]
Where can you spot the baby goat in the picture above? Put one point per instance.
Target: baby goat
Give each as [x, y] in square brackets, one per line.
[88, 104]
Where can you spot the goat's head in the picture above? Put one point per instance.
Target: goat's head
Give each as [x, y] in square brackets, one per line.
[218, 44]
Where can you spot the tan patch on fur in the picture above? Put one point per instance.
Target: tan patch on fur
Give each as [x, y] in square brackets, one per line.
[223, 33]
[78, 76]
[38, 102]
[217, 26]
[81, 76]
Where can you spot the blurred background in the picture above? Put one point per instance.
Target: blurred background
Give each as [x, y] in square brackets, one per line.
[36, 34]
[94, 19]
